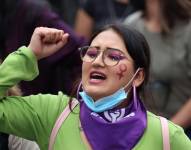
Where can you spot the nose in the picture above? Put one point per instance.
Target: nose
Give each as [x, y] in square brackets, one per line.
[99, 60]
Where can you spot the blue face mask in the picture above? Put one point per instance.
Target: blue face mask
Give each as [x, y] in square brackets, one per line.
[108, 102]
[104, 103]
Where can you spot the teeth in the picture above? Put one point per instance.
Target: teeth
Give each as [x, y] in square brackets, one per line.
[97, 76]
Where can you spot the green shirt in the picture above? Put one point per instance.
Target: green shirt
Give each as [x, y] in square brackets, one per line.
[33, 117]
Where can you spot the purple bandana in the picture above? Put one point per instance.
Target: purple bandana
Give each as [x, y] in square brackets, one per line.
[115, 129]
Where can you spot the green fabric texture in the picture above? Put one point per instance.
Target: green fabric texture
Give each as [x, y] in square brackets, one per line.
[27, 68]
[33, 117]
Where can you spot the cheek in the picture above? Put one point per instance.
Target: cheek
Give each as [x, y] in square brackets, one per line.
[85, 68]
[84, 75]
[84, 71]
[121, 71]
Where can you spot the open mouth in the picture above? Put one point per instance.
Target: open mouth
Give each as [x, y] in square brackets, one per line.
[98, 76]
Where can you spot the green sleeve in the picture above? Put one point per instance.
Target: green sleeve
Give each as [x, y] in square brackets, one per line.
[178, 138]
[19, 65]
[31, 117]
[180, 141]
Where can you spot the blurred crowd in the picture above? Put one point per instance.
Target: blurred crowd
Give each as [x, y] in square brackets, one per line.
[166, 24]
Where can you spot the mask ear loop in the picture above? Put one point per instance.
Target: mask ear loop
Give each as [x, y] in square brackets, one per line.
[134, 88]
[78, 90]
[135, 96]
[126, 86]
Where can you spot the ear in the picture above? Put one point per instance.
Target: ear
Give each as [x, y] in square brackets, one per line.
[139, 78]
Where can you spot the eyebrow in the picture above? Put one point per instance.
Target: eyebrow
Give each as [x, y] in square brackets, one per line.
[114, 49]
[98, 47]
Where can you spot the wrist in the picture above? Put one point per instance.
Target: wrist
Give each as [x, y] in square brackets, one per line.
[33, 51]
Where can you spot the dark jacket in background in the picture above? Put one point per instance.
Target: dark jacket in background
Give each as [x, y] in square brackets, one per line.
[18, 20]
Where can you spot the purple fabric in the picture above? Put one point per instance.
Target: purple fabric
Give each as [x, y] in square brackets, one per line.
[121, 135]
[114, 115]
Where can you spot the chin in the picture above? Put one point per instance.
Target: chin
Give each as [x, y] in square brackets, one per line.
[95, 94]
[98, 92]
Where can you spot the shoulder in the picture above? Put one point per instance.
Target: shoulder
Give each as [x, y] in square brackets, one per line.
[133, 18]
[154, 120]
[49, 102]
[178, 139]
[152, 137]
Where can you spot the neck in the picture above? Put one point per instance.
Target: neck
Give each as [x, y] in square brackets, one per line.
[153, 16]
[126, 102]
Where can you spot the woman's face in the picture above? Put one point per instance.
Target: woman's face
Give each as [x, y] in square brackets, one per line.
[100, 80]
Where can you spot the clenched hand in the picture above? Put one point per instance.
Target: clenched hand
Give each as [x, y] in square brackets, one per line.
[46, 41]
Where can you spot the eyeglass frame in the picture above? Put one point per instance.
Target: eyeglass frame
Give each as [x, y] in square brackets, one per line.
[102, 51]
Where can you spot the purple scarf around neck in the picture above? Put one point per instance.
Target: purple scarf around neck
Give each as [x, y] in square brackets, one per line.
[120, 135]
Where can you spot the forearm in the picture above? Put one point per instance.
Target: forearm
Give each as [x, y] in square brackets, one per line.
[84, 24]
[183, 116]
[19, 65]
[24, 116]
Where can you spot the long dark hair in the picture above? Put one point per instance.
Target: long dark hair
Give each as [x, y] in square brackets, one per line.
[137, 47]
[171, 12]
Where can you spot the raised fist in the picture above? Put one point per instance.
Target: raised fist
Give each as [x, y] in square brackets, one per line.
[46, 41]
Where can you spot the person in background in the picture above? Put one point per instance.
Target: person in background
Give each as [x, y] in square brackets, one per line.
[183, 118]
[166, 25]
[95, 13]
[116, 54]
[66, 9]
[18, 20]
[17, 143]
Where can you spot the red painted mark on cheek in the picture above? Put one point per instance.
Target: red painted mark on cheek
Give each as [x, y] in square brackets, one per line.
[122, 70]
